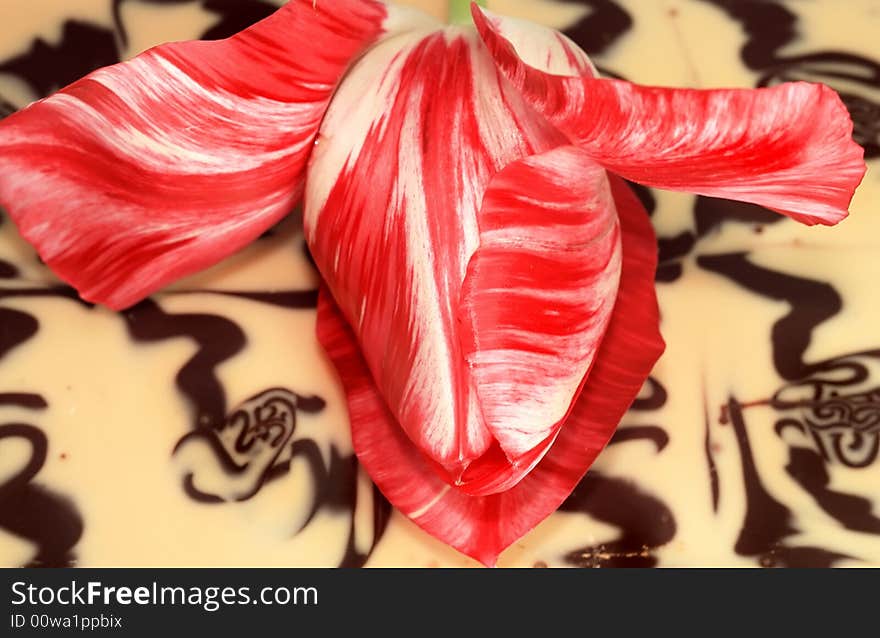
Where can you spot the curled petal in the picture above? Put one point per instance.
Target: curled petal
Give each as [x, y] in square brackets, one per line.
[152, 169]
[483, 526]
[536, 300]
[788, 148]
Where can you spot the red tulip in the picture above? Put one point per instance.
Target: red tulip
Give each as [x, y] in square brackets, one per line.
[489, 300]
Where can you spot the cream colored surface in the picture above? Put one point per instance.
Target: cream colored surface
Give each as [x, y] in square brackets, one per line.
[115, 414]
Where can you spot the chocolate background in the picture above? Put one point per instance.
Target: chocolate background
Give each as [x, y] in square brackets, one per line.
[204, 427]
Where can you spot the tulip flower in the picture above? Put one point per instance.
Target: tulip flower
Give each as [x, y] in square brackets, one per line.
[488, 296]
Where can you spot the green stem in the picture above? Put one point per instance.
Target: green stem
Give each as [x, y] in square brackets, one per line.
[460, 11]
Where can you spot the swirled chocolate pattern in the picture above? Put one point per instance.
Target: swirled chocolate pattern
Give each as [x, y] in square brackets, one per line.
[838, 408]
[218, 339]
[252, 446]
[27, 509]
[33, 512]
[210, 406]
[46, 67]
[256, 444]
[645, 522]
[832, 404]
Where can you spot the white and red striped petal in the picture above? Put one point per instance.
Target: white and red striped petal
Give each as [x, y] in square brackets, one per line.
[538, 293]
[392, 220]
[155, 168]
[544, 48]
[788, 148]
[483, 526]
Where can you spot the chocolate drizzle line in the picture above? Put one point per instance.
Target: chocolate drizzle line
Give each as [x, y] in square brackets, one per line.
[767, 522]
[654, 400]
[812, 303]
[6, 109]
[8, 270]
[336, 485]
[768, 25]
[710, 457]
[710, 213]
[671, 249]
[265, 425]
[46, 67]
[294, 299]
[50, 291]
[218, 339]
[235, 15]
[653, 433]
[23, 399]
[646, 523]
[33, 512]
[837, 408]
[15, 328]
[807, 467]
[601, 27]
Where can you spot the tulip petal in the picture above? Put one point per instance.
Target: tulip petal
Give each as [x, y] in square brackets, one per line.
[788, 148]
[545, 48]
[391, 218]
[538, 293]
[152, 169]
[483, 526]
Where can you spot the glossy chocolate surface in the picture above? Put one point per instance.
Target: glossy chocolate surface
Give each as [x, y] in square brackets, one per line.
[205, 427]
